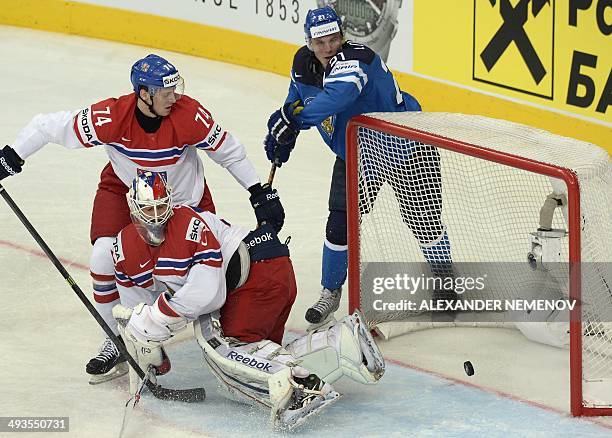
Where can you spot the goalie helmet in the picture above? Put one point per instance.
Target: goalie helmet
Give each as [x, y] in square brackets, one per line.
[154, 73]
[150, 202]
[321, 22]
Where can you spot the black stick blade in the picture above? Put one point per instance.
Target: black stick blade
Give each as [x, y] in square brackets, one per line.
[192, 395]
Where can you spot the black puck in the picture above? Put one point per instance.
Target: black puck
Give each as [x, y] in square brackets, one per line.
[468, 367]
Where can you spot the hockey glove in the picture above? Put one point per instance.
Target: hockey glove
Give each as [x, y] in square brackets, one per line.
[143, 333]
[277, 153]
[284, 125]
[10, 162]
[267, 206]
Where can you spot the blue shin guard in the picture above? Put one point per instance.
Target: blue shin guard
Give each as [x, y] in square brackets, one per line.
[335, 263]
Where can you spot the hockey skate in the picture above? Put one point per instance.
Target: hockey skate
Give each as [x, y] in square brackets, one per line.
[325, 307]
[310, 396]
[107, 365]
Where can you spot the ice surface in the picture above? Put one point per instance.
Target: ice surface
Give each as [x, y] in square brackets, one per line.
[47, 336]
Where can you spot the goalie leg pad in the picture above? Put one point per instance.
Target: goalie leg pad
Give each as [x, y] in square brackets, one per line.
[262, 373]
[346, 348]
[242, 369]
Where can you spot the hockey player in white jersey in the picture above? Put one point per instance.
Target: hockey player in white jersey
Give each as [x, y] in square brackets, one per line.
[177, 265]
[156, 127]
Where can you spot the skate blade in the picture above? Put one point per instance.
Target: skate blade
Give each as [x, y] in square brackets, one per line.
[296, 421]
[118, 370]
[323, 325]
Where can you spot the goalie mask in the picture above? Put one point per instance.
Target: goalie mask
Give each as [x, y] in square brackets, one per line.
[150, 202]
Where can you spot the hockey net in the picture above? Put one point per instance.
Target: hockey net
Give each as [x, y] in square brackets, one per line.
[425, 189]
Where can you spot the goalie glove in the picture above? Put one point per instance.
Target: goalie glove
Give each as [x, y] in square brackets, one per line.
[157, 322]
[142, 336]
[283, 124]
[10, 162]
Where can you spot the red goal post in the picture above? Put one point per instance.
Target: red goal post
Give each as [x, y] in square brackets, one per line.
[464, 141]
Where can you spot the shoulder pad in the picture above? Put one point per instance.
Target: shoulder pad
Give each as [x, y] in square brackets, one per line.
[359, 52]
[110, 102]
[352, 51]
[306, 69]
[186, 224]
[195, 125]
[104, 121]
[185, 109]
[128, 245]
[95, 129]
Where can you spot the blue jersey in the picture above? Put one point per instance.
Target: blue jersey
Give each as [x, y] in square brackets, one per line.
[356, 81]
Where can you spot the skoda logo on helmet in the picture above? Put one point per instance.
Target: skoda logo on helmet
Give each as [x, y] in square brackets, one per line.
[172, 80]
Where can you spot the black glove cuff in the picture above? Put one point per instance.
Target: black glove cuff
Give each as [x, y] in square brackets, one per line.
[255, 189]
[10, 162]
[263, 244]
[12, 158]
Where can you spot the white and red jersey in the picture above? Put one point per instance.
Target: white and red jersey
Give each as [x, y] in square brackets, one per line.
[171, 149]
[191, 261]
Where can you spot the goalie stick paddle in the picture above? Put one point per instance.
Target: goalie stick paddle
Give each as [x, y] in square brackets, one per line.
[191, 395]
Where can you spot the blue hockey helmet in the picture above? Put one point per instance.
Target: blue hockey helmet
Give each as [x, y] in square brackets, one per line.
[321, 22]
[154, 73]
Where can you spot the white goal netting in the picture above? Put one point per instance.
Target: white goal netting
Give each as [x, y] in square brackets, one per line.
[460, 196]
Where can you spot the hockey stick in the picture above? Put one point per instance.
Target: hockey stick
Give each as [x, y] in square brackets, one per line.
[187, 395]
[272, 172]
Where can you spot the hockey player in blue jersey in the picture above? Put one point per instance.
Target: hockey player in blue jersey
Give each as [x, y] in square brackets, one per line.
[333, 80]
